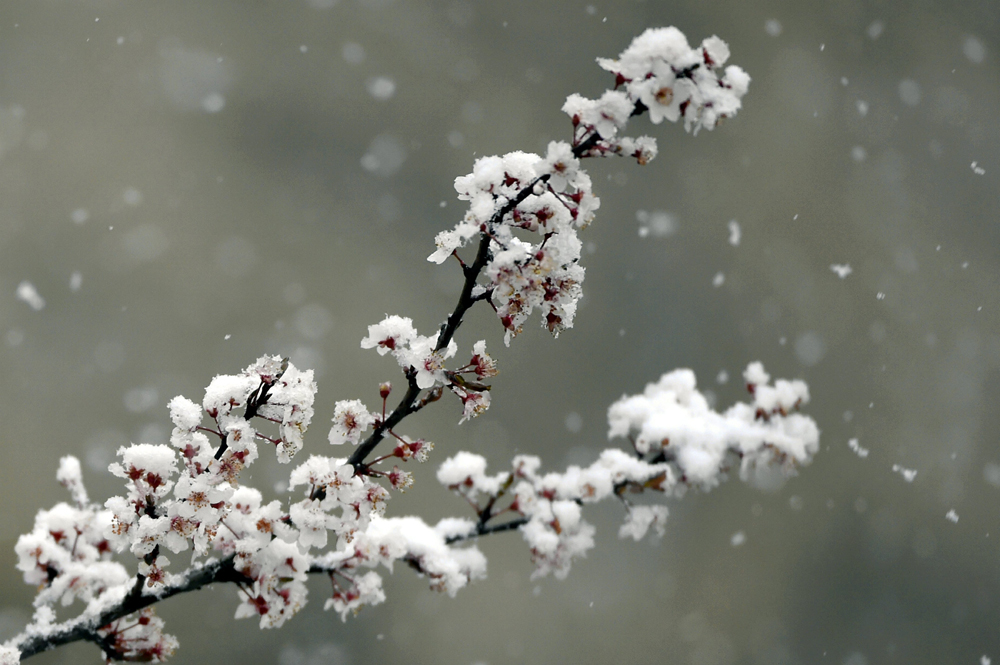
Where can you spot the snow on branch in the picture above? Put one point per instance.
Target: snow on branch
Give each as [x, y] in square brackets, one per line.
[191, 497]
[671, 421]
[678, 442]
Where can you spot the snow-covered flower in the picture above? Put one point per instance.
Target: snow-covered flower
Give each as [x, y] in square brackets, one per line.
[484, 364]
[474, 402]
[425, 361]
[466, 473]
[184, 413]
[640, 518]
[392, 333]
[350, 420]
[561, 164]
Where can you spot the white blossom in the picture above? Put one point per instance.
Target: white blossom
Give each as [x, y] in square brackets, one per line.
[350, 420]
[184, 413]
[392, 333]
[466, 473]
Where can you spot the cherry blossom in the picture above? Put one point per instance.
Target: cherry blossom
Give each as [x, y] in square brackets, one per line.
[350, 420]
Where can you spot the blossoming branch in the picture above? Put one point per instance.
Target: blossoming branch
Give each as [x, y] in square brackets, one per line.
[524, 215]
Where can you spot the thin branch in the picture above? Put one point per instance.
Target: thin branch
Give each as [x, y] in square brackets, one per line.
[403, 409]
[580, 149]
[432, 396]
[482, 530]
[486, 514]
[465, 301]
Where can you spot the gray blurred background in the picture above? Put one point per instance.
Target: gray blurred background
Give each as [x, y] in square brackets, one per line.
[190, 184]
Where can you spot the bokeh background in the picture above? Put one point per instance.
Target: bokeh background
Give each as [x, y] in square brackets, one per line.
[187, 185]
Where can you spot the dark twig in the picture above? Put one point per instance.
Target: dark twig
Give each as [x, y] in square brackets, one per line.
[482, 530]
[486, 514]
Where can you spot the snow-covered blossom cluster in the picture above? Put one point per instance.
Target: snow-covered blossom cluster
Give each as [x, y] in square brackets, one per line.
[387, 540]
[520, 194]
[550, 197]
[151, 518]
[396, 335]
[550, 506]
[673, 81]
[678, 442]
[672, 421]
[185, 495]
[189, 495]
[525, 210]
[68, 556]
[423, 359]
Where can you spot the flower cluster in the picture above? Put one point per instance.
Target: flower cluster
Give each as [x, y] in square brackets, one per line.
[671, 80]
[178, 496]
[396, 335]
[550, 197]
[330, 485]
[211, 511]
[419, 357]
[672, 421]
[270, 388]
[549, 506]
[138, 638]
[387, 540]
[521, 193]
[67, 555]
[148, 520]
[679, 442]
